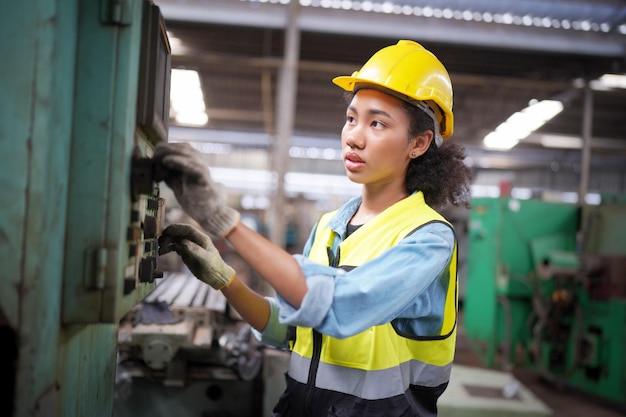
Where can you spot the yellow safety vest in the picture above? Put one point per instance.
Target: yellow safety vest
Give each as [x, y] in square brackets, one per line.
[378, 362]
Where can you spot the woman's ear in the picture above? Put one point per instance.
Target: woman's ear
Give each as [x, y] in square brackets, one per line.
[420, 144]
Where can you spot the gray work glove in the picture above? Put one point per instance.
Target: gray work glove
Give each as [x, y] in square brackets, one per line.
[197, 252]
[184, 171]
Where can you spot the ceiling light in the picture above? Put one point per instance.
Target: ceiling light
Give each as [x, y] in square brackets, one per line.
[521, 124]
[186, 98]
[612, 81]
[176, 44]
[367, 6]
[544, 110]
[387, 7]
[497, 140]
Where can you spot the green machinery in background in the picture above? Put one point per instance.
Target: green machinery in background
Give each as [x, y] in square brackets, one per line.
[85, 98]
[546, 290]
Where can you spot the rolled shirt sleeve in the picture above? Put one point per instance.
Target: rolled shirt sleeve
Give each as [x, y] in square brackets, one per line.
[402, 283]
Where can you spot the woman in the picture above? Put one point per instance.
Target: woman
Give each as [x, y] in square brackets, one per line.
[373, 297]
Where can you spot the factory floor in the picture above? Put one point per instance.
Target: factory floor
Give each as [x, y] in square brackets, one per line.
[562, 401]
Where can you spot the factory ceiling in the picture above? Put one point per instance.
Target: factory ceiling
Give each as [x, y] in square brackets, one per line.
[500, 54]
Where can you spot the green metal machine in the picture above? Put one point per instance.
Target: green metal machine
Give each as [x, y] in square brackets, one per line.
[85, 98]
[546, 290]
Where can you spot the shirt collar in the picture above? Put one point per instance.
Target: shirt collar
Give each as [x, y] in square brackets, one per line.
[340, 220]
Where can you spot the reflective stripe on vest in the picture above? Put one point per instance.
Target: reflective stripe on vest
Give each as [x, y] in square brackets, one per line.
[378, 362]
[371, 385]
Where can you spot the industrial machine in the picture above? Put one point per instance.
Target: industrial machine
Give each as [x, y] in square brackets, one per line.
[183, 351]
[85, 90]
[546, 290]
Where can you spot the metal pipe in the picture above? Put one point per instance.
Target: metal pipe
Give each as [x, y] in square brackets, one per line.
[285, 115]
[586, 136]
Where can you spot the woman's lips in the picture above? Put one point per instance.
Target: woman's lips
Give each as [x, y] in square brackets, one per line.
[353, 161]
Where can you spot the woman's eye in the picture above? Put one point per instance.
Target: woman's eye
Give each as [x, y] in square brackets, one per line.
[377, 124]
[349, 119]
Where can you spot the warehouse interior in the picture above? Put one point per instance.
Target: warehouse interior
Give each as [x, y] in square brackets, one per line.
[501, 56]
[269, 110]
[98, 324]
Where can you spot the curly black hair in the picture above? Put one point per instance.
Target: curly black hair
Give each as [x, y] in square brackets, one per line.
[440, 173]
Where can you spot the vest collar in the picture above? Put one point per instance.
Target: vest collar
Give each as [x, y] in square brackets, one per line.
[340, 220]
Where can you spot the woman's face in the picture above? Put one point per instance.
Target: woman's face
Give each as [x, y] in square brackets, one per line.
[375, 145]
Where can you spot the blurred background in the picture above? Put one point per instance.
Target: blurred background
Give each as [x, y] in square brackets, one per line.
[105, 326]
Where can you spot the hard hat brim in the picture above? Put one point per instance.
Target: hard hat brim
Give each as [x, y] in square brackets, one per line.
[346, 82]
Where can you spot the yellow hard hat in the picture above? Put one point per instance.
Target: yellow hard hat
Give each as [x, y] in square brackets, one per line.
[412, 72]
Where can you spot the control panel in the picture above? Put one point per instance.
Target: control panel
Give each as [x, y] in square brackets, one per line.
[115, 209]
[145, 226]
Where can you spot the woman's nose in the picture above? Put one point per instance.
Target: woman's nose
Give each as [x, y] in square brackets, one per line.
[354, 139]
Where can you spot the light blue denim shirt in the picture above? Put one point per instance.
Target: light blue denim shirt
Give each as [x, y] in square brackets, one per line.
[402, 284]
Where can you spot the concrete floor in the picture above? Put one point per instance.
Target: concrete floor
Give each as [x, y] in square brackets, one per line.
[561, 402]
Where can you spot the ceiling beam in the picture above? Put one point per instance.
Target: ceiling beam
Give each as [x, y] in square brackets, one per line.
[195, 58]
[398, 26]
